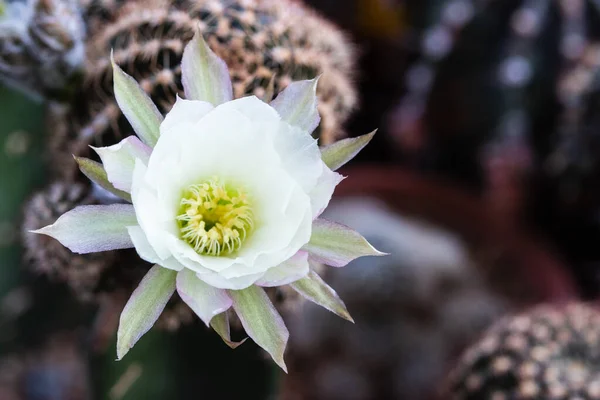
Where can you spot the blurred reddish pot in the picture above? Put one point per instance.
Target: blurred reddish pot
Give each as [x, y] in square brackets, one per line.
[517, 261]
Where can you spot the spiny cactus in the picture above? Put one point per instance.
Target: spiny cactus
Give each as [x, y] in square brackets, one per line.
[546, 353]
[261, 41]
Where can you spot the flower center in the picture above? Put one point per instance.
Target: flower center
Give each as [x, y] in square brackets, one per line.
[215, 218]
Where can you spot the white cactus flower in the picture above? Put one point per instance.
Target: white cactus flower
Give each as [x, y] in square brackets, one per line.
[226, 196]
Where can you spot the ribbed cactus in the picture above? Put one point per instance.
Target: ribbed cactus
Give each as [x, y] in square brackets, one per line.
[261, 41]
[546, 353]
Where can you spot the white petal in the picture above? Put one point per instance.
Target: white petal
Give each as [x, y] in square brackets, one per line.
[339, 153]
[336, 245]
[253, 108]
[144, 307]
[119, 160]
[261, 321]
[206, 301]
[321, 194]
[300, 155]
[185, 111]
[313, 288]
[239, 283]
[298, 151]
[90, 229]
[149, 213]
[137, 106]
[147, 253]
[297, 104]
[230, 146]
[205, 76]
[287, 272]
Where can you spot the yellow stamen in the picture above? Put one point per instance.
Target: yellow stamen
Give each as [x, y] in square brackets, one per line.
[214, 218]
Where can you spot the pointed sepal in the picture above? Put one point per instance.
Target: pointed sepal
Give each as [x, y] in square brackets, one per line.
[297, 104]
[339, 153]
[119, 160]
[336, 245]
[96, 173]
[136, 105]
[220, 324]
[314, 288]
[296, 267]
[206, 301]
[90, 229]
[204, 75]
[261, 321]
[144, 307]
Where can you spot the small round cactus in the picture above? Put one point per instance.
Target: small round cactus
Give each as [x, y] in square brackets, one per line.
[546, 353]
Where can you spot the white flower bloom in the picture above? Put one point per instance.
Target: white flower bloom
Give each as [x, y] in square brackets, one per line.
[241, 205]
[226, 196]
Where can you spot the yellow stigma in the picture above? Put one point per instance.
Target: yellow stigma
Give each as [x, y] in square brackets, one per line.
[215, 219]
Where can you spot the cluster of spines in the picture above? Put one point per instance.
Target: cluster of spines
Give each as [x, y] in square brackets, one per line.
[550, 352]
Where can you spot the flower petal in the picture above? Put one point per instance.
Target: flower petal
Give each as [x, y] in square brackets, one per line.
[313, 288]
[287, 272]
[137, 106]
[283, 208]
[298, 151]
[204, 75]
[217, 280]
[339, 153]
[185, 111]
[336, 245]
[220, 323]
[149, 215]
[297, 105]
[144, 307]
[261, 321]
[321, 193]
[95, 172]
[119, 160]
[147, 253]
[206, 301]
[90, 229]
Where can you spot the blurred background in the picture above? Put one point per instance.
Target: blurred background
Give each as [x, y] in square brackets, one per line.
[483, 184]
